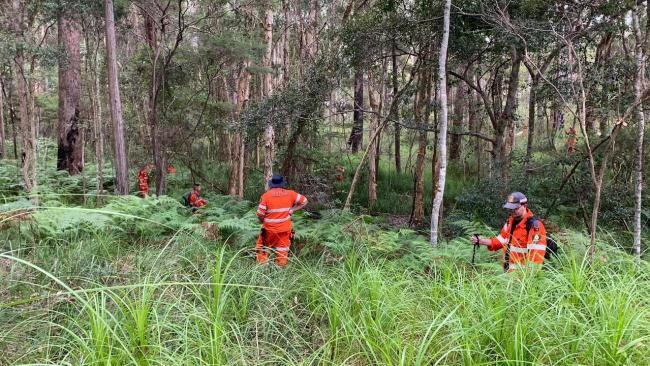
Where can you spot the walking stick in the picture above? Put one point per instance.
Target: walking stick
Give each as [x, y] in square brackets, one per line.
[474, 249]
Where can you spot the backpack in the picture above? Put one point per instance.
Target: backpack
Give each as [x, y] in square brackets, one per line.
[185, 200]
[552, 249]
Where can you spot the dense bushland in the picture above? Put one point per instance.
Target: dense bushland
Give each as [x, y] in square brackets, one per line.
[146, 282]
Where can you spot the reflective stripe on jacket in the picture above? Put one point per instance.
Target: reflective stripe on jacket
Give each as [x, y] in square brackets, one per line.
[526, 247]
[276, 207]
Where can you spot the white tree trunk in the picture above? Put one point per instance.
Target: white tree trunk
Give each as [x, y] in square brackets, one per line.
[638, 91]
[442, 136]
[121, 173]
[267, 89]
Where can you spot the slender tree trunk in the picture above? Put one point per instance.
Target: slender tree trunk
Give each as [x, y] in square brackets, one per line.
[119, 148]
[285, 42]
[356, 136]
[598, 186]
[474, 125]
[242, 169]
[98, 128]
[234, 164]
[28, 143]
[269, 133]
[435, 163]
[313, 28]
[235, 183]
[382, 102]
[640, 59]
[70, 144]
[442, 138]
[421, 119]
[532, 110]
[12, 118]
[21, 89]
[33, 130]
[417, 214]
[242, 156]
[151, 36]
[458, 118]
[509, 113]
[398, 137]
[375, 105]
[3, 149]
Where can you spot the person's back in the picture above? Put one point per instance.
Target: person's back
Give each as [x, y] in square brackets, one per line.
[277, 205]
[274, 211]
[143, 182]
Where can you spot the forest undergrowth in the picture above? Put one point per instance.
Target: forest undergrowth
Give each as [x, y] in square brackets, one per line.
[146, 282]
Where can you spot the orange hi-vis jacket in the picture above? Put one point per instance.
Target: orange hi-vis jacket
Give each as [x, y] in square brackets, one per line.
[195, 200]
[143, 181]
[520, 246]
[276, 207]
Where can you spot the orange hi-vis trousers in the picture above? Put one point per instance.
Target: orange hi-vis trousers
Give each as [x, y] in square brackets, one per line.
[278, 242]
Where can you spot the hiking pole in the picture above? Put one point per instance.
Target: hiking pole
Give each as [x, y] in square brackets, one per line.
[474, 249]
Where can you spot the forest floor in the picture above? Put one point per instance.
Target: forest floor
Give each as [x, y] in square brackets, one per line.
[146, 282]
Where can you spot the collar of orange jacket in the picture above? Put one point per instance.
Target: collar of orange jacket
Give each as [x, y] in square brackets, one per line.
[523, 220]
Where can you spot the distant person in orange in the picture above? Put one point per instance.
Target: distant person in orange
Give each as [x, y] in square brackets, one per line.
[143, 181]
[339, 173]
[274, 212]
[171, 169]
[194, 198]
[571, 141]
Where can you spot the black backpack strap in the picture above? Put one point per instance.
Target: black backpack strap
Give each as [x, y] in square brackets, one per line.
[532, 222]
[551, 245]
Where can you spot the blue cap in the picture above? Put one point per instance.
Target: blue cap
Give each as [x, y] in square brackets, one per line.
[515, 200]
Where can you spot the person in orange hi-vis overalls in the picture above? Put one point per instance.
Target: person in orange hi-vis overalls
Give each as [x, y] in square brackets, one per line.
[143, 181]
[171, 169]
[522, 238]
[571, 141]
[276, 206]
[194, 199]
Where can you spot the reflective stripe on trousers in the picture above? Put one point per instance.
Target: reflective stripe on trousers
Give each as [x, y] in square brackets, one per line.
[276, 242]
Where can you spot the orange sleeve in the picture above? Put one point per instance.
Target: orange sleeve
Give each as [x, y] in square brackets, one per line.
[261, 208]
[497, 242]
[299, 202]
